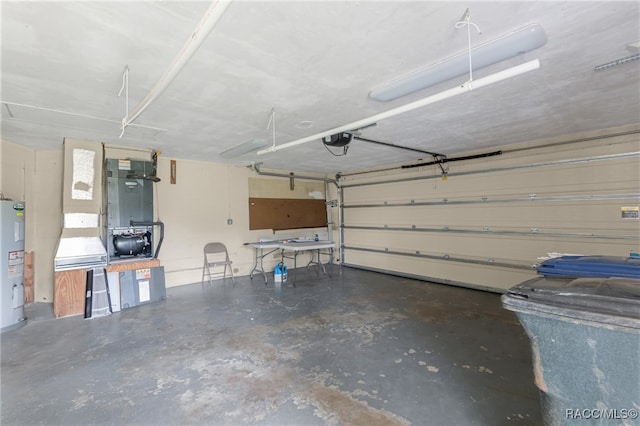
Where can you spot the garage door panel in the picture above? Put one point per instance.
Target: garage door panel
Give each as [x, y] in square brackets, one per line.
[546, 201]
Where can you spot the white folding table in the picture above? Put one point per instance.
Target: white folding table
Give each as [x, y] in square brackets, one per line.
[292, 246]
[300, 246]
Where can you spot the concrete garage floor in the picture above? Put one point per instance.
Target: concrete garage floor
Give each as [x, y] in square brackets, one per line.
[360, 348]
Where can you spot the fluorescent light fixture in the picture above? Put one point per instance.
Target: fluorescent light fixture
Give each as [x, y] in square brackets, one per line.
[512, 44]
[467, 87]
[244, 148]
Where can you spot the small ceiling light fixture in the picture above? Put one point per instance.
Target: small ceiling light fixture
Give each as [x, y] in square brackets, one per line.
[508, 46]
[634, 47]
[304, 124]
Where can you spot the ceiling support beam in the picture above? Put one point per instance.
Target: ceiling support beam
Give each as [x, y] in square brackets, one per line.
[466, 87]
[195, 40]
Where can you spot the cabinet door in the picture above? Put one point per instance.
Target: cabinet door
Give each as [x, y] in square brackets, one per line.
[69, 293]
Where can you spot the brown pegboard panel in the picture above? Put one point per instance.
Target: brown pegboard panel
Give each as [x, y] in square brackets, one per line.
[286, 213]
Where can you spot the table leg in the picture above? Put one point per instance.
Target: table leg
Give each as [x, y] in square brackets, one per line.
[260, 254]
[295, 267]
[324, 271]
[330, 260]
[255, 263]
[316, 260]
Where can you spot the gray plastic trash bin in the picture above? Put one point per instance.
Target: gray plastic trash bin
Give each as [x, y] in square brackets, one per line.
[585, 340]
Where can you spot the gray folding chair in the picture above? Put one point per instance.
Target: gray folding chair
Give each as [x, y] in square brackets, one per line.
[216, 256]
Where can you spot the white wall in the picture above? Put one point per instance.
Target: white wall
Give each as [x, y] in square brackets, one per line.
[36, 178]
[48, 219]
[195, 211]
[16, 173]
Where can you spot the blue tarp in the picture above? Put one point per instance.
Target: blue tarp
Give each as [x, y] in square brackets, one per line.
[591, 266]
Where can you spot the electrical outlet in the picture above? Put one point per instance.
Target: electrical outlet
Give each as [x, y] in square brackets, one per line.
[229, 221]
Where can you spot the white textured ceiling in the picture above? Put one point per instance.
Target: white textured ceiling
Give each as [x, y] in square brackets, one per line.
[62, 66]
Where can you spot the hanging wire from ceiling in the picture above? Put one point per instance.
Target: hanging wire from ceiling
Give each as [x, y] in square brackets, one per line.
[272, 124]
[344, 150]
[125, 87]
[466, 21]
